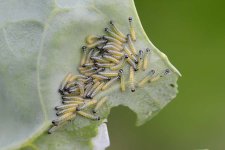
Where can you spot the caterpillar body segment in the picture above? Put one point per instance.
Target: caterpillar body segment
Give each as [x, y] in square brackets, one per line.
[146, 79]
[110, 82]
[122, 80]
[99, 104]
[86, 105]
[119, 65]
[95, 92]
[75, 98]
[92, 89]
[89, 116]
[109, 74]
[105, 65]
[63, 118]
[140, 60]
[131, 62]
[160, 75]
[145, 61]
[120, 47]
[65, 106]
[111, 33]
[111, 58]
[111, 47]
[97, 43]
[131, 79]
[55, 127]
[99, 59]
[132, 31]
[64, 111]
[73, 102]
[116, 30]
[131, 44]
[84, 55]
[92, 39]
[112, 39]
[100, 77]
[64, 82]
[115, 53]
[89, 54]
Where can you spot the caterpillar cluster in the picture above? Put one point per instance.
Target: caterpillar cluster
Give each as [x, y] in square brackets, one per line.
[102, 62]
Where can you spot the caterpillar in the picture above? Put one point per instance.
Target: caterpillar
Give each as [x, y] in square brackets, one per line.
[64, 82]
[132, 31]
[110, 58]
[140, 59]
[89, 116]
[104, 61]
[97, 43]
[97, 90]
[115, 45]
[116, 30]
[122, 80]
[87, 104]
[131, 45]
[158, 76]
[99, 104]
[111, 47]
[111, 33]
[112, 39]
[119, 65]
[109, 83]
[147, 78]
[63, 118]
[92, 38]
[131, 62]
[145, 61]
[131, 79]
[109, 74]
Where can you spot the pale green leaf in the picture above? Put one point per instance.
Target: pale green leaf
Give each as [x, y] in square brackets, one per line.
[40, 43]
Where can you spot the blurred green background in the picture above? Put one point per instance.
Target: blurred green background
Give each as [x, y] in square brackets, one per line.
[192, 34]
